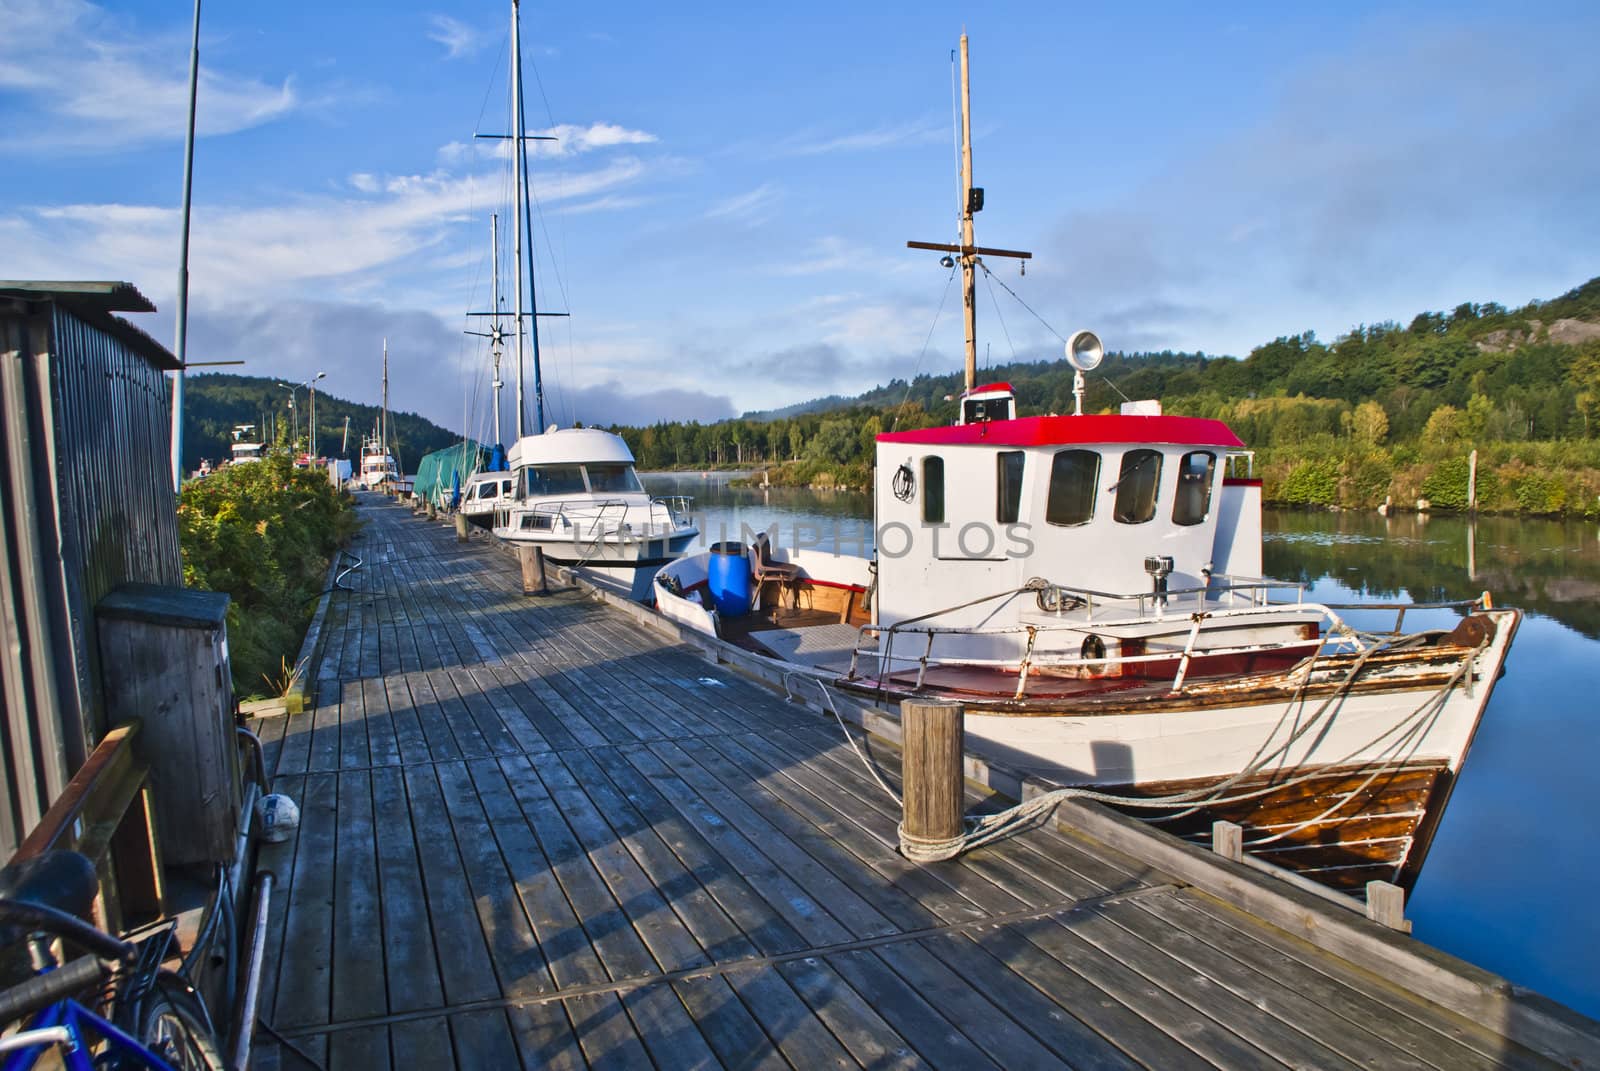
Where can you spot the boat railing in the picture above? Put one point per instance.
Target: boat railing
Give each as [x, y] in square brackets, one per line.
[589, 520]
[1251, 591]
[1336, 638]
[680, 509]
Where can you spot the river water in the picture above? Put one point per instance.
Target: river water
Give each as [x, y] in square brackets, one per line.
[1507, 881]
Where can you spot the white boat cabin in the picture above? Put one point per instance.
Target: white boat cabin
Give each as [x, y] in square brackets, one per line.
[1113, 510]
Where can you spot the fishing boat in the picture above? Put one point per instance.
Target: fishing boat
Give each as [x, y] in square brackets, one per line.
[246, 446]
[575, 494]
[379, 471]
[1089, 587]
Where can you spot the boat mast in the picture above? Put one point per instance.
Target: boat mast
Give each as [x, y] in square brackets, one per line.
[970, 253]
[383, 419]
[969, 256]
[524, 233]
[496, 339]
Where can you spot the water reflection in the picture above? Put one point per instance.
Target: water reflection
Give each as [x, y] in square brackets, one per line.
[1505, 885]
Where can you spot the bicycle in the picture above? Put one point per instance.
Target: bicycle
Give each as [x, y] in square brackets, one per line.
[153, 1018]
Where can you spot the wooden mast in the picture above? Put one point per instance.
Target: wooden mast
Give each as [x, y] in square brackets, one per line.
[969, 259]
[970, 252]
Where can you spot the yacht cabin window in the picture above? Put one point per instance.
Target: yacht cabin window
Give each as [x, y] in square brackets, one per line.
[615, 477]
[1008, 485]
[505, 487]
[1138, 486]
[538, 480]
[1193, 500]
[1074, 478]
[933, 490]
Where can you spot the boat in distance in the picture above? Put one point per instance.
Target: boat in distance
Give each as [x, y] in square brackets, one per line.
[579, 500]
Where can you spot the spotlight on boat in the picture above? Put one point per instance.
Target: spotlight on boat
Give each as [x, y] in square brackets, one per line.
[1084, 351]
[947, 261]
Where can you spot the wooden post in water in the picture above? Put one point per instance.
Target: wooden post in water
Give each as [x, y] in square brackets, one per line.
[932, 753]
[1472, 482]
[461, 527]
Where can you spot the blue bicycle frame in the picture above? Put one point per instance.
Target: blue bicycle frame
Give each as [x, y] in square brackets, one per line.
[63, 1022]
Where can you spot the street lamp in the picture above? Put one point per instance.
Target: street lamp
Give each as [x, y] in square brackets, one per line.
[312, 387]
[294, 412]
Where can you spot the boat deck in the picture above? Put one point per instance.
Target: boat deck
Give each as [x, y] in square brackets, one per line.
[534, 834]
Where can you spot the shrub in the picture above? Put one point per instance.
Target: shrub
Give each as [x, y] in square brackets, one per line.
[262, 532]
[1311, 483]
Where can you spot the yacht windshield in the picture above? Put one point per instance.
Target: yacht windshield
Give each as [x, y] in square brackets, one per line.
[613, 478]
[539, 480]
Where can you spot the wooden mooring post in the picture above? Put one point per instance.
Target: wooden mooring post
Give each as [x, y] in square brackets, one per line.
[532, 561]
[461, 527]
[931, 823]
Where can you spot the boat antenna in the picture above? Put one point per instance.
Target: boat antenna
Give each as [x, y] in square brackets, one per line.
[971, 202]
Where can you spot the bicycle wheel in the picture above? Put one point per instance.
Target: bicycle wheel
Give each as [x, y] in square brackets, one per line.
[172, 1024]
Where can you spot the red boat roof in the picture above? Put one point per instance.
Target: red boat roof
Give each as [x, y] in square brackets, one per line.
[987, 387]
[1075, 430]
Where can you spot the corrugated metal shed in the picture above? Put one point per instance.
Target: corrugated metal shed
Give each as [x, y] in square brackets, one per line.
[86, 504]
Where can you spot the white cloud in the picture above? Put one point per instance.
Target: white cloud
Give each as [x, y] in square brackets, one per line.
[459, 39]
[364, 182]
[748, 207]
[95, 84]
[915, 132]
[340, 245]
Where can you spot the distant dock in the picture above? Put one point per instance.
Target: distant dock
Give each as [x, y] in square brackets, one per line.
[536, 834]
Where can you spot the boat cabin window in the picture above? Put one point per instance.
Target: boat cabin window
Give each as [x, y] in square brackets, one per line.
[617, 478]
[552, 480]
[933, 490]
[1138, 485]
[1193, 500]
[505, 487]
[977, 410]
[1008, 485]
[1074, 477]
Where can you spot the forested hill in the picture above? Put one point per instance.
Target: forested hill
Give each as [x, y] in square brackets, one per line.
[214, 404]
[1496, 374]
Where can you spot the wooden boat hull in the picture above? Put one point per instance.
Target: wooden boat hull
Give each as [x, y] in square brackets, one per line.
[1342, 777]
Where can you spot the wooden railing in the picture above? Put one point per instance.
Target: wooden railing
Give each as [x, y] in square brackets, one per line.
[105, 812]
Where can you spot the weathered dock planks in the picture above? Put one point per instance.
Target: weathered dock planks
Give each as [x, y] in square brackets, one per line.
[537, 835]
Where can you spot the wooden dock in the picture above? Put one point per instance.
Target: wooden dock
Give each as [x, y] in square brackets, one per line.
[535, 834]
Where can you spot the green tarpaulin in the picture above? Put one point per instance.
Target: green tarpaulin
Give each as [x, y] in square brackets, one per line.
[440, 472]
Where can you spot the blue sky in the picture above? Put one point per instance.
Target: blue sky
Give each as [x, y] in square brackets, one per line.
[725, 215]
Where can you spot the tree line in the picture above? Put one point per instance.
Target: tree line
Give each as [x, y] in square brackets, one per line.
[1384, 411]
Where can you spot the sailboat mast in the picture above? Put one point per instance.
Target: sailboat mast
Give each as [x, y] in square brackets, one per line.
[383, 419]
[516, 241]
[494, 329]
[524, 232]
[969, 256]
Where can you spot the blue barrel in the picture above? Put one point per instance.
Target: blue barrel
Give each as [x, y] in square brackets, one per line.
[728, 577]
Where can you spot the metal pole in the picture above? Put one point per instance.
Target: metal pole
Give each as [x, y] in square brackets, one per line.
[494, 324]
[312, 387]
[521, 178]
[181, 338]
[969, 295]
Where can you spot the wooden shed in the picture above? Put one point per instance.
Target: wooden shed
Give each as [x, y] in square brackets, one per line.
[86, 505]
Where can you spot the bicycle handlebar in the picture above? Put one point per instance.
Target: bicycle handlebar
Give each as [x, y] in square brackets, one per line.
[68, 927]
[43, 990]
